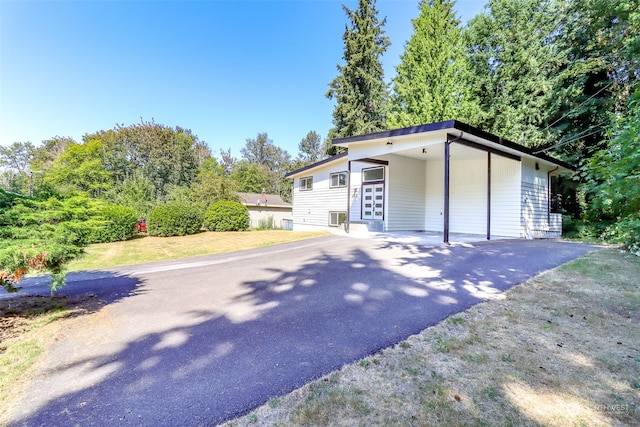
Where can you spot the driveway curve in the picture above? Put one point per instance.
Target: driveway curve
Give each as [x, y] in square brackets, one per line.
[203, 340]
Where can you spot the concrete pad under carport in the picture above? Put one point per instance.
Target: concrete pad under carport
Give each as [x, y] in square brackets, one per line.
[421, 238]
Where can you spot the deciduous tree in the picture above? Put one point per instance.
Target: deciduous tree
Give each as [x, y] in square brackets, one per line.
[310, 149]
[80, 168]
[613, 180]
[16, 162]
[601, 38]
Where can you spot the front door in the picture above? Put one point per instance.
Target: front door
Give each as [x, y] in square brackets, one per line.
[373, 201]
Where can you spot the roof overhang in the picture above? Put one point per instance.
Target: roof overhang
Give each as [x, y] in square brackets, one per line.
[415, 141]
[325, 162]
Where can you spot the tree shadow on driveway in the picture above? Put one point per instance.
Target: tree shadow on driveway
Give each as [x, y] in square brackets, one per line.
[203, 353]
[108, 286]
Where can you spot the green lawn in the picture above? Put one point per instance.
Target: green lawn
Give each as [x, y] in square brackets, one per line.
[145, 248]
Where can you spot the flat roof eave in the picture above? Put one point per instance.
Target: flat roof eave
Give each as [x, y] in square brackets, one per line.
[451, 126]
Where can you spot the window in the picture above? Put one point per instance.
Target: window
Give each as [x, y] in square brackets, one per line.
[555, 194]
[336, 219]
[373, 174]
[306, 183]
[338, 179]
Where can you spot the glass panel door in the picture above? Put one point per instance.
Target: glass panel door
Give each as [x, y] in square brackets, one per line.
[373, 201]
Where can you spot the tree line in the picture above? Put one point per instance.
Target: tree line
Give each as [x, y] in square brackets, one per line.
[141, 164]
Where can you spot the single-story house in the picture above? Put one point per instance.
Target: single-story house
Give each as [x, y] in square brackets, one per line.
[447, 177]
[268, 210]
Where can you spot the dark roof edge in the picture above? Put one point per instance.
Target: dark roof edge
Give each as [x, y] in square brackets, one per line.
[455, 124]
[397, 132]
[316, 164]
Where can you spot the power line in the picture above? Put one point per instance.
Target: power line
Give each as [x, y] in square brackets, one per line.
[580, 105]
[583, 134]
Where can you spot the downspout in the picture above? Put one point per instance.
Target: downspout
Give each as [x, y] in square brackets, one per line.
[488, 195]
[348, 221]
[549, 195]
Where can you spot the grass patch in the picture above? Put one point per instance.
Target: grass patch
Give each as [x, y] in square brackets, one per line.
[145, 248]
[26, 325]
[560, 349]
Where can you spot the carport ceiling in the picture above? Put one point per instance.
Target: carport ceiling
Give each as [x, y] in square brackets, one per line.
[436, 152]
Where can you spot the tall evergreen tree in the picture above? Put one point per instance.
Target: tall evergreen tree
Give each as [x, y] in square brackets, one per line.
[432, 81]
[516, 66]
[359, 89]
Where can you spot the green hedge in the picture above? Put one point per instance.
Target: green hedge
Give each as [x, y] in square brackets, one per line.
[112, 223]
[226, 216]
[174, 219]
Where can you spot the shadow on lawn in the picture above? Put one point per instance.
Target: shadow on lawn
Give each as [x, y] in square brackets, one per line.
[268, 337]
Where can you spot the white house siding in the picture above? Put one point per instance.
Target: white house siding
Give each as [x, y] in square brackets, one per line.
[434, 199]
[406, 190]
[468, 196]
[356, 190]
[535, 204]
[311, 207]
[505, 196]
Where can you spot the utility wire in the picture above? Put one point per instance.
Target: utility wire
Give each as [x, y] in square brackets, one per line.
[576, 137]
[580, 105]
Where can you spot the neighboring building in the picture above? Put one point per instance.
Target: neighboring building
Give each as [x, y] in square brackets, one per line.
[267, 209]
[447, 176]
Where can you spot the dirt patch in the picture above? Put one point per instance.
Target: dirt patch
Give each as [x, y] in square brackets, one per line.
[18, 315]
[28, 326]
[560, 349]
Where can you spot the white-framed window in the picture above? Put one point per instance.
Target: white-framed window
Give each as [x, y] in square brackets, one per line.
[338, 179]
[373, 174]
[306, 183]
[336, 219]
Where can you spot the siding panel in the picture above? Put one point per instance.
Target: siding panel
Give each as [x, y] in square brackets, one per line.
[468, 196]
[311, 208]
[505, 196]
[434, 199]
[406, 194]
[535, 205]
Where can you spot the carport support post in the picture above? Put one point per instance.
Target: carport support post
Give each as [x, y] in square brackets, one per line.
[488, 195]
[447, 149]
[347, 222]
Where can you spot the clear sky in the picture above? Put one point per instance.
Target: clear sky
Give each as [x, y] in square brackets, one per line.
[227, 70]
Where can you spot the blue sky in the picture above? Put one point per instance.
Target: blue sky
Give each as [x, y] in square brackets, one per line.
[227, 70]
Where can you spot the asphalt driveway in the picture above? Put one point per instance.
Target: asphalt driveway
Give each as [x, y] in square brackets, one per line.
[200, 341]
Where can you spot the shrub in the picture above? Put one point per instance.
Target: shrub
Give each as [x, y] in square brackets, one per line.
[174, 219]
[627, 232]
[226, 215]
[112, 223]
[41, 236]
[267, 223]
